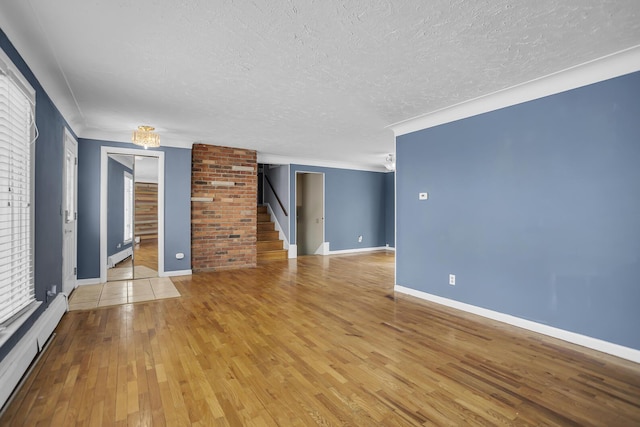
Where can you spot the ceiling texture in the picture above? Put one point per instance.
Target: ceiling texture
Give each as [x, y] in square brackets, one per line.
[316, 80]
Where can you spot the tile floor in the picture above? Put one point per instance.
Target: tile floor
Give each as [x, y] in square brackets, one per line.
[127, 273]
[122, 292]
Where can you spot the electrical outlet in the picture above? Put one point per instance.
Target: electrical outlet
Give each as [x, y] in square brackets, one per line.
[359, 239]
[452, 279]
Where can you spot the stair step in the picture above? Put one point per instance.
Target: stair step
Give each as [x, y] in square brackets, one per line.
[273, 255]
[264, 236]
[266, 226]
[269, 245]
[262, 209]
[264, 217]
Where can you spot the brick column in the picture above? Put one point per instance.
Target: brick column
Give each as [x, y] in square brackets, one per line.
[223, 208]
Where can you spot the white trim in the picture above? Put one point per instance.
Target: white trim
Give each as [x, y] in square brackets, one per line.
[9, 68]
[610, 66]
[389, 248]
[177, 273]
[323, 249]
[572, 337]
[105, 150]
[293, 251]
[70, 140]
[358, 250]
[288, 160]
[281, 235]
[17, 362]
[12, 327]
[91, 281]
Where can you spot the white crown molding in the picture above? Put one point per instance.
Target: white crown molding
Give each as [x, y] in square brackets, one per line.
[287, 160]
[572, 337]
[610, 66]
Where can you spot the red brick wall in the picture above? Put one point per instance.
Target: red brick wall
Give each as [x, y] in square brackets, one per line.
[223, 208]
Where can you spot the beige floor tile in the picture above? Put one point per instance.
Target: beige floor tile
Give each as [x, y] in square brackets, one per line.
[167, 294]
[83, 305]
[140, 298]
[160, 280]
[112, 301]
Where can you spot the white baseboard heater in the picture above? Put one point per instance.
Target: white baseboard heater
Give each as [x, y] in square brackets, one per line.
[117, 257]
[17, 362]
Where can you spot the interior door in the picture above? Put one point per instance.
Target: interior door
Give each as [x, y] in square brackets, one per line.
[70, 216]
[310, 212]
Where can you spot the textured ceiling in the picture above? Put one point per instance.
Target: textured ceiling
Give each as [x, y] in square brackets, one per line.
[318, 80]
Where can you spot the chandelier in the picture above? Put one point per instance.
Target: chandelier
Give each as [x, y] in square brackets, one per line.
[146, 137]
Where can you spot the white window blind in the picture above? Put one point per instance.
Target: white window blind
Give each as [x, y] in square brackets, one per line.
[17, 132]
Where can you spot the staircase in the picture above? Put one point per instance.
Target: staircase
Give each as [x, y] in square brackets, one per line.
[270, 247]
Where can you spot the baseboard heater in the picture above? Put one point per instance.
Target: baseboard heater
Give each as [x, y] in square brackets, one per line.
[17, 362]
[117, 257]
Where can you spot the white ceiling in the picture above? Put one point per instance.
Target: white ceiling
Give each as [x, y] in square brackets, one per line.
[317, 80]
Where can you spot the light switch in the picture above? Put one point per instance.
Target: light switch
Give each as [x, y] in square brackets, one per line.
[423, 196]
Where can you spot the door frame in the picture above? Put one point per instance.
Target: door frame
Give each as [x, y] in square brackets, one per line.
[69, 139]
[104, 157]
[324, 247]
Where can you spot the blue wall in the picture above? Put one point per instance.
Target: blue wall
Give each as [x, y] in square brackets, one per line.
[535, 208]
[48, 193]
[279, 178]
[177, 212]
[354, 205]
[115, 207]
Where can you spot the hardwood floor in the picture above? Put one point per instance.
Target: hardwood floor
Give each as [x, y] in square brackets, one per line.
[314, 341]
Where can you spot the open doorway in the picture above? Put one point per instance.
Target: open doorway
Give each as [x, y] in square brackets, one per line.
[310, 213]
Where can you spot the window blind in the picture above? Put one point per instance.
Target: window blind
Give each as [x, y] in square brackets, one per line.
[17, 130]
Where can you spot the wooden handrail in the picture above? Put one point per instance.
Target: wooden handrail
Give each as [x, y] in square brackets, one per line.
[275, 194]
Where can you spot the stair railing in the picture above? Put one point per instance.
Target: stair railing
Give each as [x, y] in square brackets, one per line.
[275, 194]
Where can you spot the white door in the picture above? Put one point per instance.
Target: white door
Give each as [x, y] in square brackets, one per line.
[70, 214]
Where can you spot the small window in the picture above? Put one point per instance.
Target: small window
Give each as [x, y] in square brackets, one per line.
[128, 207]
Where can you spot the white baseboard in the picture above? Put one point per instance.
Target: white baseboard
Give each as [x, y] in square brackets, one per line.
[91, 281]
[293, 251]
[323, 249]
[572, 337]
[177, 273]
[279, 228]
[17, 362]
[390, 248]
[358, 250]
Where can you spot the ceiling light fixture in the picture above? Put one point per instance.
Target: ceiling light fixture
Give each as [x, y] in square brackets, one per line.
[390, 162]
[146, 137]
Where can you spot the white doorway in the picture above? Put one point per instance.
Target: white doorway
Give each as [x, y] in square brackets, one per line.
[310, 213]
[70, 213]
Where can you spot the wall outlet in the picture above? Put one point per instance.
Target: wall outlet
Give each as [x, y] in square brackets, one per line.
[423, 196]
[359, 239]
[119, 245]
[452, 279]
[179, 255]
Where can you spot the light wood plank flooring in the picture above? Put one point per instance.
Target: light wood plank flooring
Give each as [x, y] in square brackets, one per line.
[314, 341]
